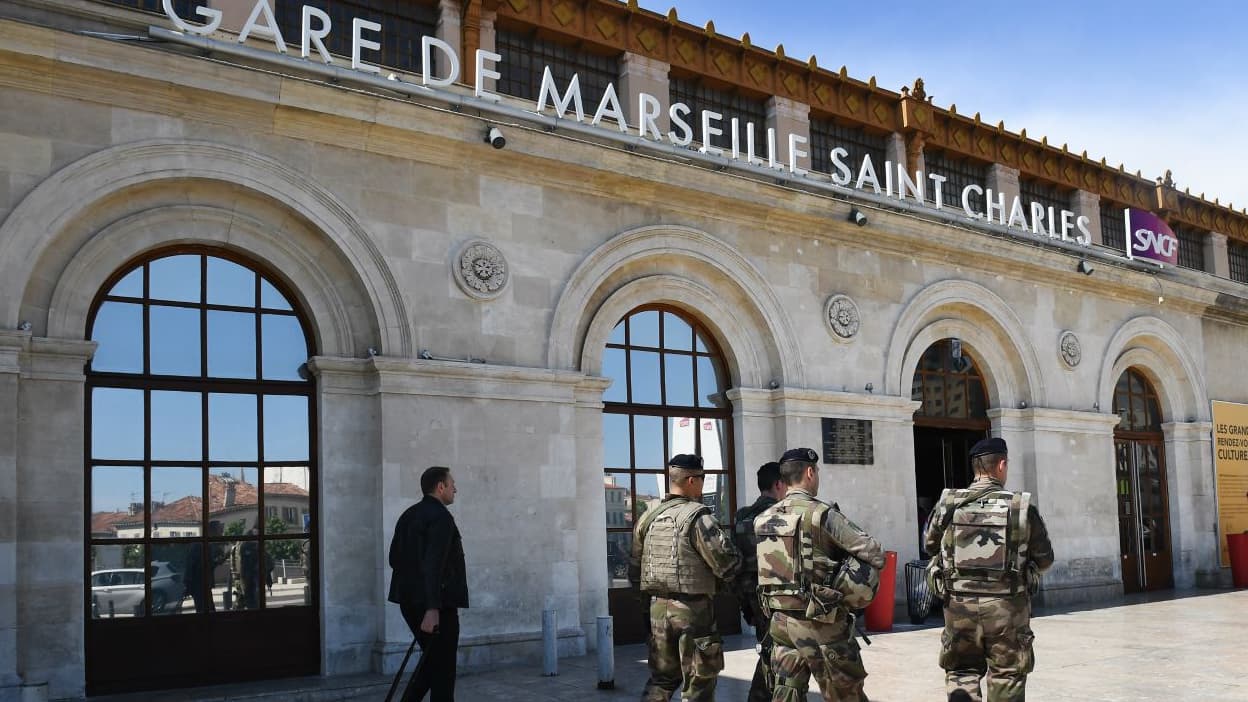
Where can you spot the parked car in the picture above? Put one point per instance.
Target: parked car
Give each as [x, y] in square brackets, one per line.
[119, 591]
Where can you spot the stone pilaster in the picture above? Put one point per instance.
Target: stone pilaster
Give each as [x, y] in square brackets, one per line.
[1003, 180]
[1086, 204]
[489, 42]
[753, 415]
[790, 117]
[1193, 502]
[1217, 260]
[590, 505]
[894, 150]
[1077, 498]
[11, 345]
[450, 30]
[641, 74]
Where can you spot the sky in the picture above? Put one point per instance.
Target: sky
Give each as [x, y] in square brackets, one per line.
[1151, 85]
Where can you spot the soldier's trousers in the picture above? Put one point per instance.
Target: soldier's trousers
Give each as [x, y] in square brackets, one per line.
[760, 686]
[987, 637]
[684, 642]
[828, 651]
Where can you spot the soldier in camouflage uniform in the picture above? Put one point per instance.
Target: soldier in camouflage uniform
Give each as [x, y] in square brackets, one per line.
[771, 488]
[988, 547]
[679, 555]
[814, 566]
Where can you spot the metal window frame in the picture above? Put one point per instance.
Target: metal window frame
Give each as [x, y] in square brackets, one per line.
[695, 92]
[959, 171]
[827, 133]
[525, 55]
[941, 379]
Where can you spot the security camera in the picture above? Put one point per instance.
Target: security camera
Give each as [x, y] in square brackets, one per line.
[1085, 268]
[495, 138]
[857, 217]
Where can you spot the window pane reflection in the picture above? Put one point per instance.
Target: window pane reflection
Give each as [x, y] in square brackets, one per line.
[615, 441]
[286, 500]
[177, 502]
[129, 286]
[118, 330]
[233, 501]
[619, 501]
[232, 427]
[619, 548]
[176, 574]
[677, 334]
[116, 502]
[235, 583]
[643, 329]
[715, 495]
[270, 298]
[174, 278]
[286, 573]
[230, 284]
[285, 428]
[231, 344]
[651, 487]
[617, 335]
[648, 442]
[710, 383]
[645, 377]
[678, 379]
[613, 367]
[116, 423]
[174, 334]
[177, 426]
[117, 581]
[284, 347]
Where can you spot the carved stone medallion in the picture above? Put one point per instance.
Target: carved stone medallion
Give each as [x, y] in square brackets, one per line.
[480, 270]
[841, 314]
[1068, 346]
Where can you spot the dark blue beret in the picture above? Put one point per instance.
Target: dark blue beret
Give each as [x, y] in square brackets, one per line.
[687, 461]
[985, 447]
[800, 454]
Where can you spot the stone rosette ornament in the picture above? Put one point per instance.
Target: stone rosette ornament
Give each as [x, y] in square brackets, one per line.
[842, 317]
[480, 270]
[1069, 348]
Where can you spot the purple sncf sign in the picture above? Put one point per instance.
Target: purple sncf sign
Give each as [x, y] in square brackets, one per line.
[1149, 237]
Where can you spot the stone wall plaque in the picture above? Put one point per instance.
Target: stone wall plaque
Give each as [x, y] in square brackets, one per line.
[480, 270]
[841, 315]
[848, 442]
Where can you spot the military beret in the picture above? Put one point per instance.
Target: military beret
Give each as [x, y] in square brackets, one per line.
[986, 447]
[688, 461]
[804, 455]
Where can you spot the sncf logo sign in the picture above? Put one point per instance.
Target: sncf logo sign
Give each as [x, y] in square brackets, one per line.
[1151, 238]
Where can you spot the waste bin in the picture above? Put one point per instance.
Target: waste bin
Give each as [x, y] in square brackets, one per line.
[1237, 544]
[918, 596]
[880, 611]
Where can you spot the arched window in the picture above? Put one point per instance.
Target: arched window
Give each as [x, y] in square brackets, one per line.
[951, 388]
[1135, 402]
[667, 398]
[201, 478]
[1141, 480]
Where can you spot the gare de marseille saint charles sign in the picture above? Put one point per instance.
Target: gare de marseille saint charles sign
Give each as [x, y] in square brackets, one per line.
[1151, 237]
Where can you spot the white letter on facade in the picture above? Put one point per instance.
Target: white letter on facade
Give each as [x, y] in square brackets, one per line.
[426, 62]
[358, 42]
[573, 96]
[483, 73]
[904, 184]
[268, 30]
[1067, 224]
[966, 200]
[998, 205]
[842, 174]
[938, 184]
[213, 17]
[1017, 213]
[866, 174]
[677, 112]
[1037, 218]
[708, 131]
[312, 37]
[647, 112]
[1085, 235]
[796, 153]
[610, 106]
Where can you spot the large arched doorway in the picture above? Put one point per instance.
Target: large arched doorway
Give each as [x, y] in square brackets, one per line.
[1140, 476]
[201, 478]
[667, 398]
[952, 417]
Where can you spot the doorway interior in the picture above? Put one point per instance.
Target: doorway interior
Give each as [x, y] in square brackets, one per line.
[1141, 487]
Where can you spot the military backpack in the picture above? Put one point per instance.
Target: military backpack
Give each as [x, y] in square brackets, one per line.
[983, 546]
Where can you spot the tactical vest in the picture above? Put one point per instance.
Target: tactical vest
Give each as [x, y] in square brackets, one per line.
[669, 562]
[747, 543]
[795, 571]
[984, 544]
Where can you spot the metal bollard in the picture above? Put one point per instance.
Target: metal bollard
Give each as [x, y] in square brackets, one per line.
[550, 642]
[606, 653]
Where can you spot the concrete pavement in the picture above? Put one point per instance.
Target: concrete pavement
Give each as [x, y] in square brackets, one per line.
[1173, 646]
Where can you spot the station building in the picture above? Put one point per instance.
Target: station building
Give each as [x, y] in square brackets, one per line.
[247, 295]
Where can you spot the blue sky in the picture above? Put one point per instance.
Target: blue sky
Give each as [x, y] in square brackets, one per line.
[1152, 85]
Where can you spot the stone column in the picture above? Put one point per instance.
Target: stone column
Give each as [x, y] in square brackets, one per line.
[894, 150]
[754, 432]
[1065, 459]
[1193, 501]
[1003, 179]
[789, 117]
[488, 41]
[51, 512]
[1086, 204]
[591, 542]
[1217, 260]
[641, 74]
[11, 345]
[354, 535]
[914, 160]
[450, 30]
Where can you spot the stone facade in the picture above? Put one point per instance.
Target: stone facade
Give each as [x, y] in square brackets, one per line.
[362, 202]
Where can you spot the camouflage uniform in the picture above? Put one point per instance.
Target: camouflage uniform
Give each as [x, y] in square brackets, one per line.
[988, 620]
[679, 553]
[811, 628]
[747, 593]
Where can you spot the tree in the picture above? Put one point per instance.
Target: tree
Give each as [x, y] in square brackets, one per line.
[284, 550]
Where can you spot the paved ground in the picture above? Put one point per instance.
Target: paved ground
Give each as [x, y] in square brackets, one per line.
[1188, 646]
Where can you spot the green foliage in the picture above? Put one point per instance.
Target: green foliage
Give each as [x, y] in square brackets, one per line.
[236, 528]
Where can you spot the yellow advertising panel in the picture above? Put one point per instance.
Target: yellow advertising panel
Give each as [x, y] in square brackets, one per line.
[1230, 464]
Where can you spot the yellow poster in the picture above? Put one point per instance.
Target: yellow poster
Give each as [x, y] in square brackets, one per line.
[1230, 464]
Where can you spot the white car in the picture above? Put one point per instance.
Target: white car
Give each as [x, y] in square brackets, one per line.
[119, 592]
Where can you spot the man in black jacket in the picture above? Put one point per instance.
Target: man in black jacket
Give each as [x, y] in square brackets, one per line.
[430, 584]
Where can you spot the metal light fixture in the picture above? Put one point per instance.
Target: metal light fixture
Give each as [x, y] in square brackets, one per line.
[494, 137]
[1085, 268]
[857, 217]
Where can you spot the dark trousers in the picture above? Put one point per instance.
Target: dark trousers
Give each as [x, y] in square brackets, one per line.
[436, 671]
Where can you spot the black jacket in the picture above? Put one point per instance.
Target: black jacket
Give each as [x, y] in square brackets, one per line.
[427, 556]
